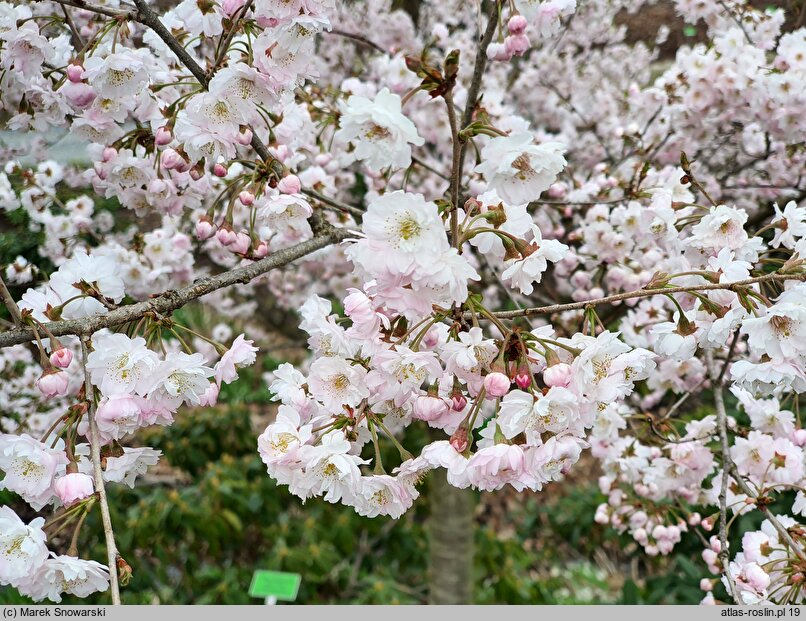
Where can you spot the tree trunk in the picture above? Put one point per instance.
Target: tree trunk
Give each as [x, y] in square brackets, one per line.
[451, 530]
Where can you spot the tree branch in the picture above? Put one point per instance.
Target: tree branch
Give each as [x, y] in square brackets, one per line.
[97, 8]
[456, 169]
[358, 39]
[729, 466]
[11, 305]
[339, 206]
[169, 301]
[722, 424]
[95, 455]
[642, 293]
[475, 83]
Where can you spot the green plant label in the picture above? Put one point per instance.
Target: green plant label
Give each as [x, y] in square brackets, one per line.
[278, 584]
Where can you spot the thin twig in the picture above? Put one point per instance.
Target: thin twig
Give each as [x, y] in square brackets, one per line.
[95, 454]
[456, 168]
[97, 8]
[358, 39]
[745, 488]
[641, 293]
[722, 424]
[78, 42]
[478, 74]
[343, 207]
[230, 35]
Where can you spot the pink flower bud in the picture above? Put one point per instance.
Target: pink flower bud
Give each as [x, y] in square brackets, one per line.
[459, 439]
[557, 190]
[523, 379]
[157, 186]
[289, 184]
[517, 24]
[557, 375]
[73, 487]
[497, 51]
[458, 402]
[219, 170]
[706, 585]
[241, 244]
[707, 524]
[694, 519]
[53, 383]
[170, 159]
[267, 22]
[61, 358]
[163, 137]
[226, 236]
[428, 408]
[496, 384]
[799, 437]
[210, 396]
[75, 73]
[196, 173]
[281, 152]
[245, 137]
[205, 229]
[601, 517]
[516, 45]
[78, 94]
[109, 153]
[246, 197]
[262, 250]
[230, 6]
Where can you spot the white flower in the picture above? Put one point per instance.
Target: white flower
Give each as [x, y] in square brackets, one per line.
[208, 127]
[180, 377]
[199, 21]
[280, 441]
[241, 354]
[606, 368]
[286, 214]
[335, 382]
[133, 462]
[471, 353]
[118, 76]
[522, 273]
[379, 130]
[22, 548]
[287, 384]
[120, 365]
[245, 88]
[781, 332]
[30, 467]
[722, 227]
[790, 225]
[406, 225]
[520, 413]
[518, 169]
[66, 574]
[329, 470]
[768, 377]
[102, 273]
[382, 494]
